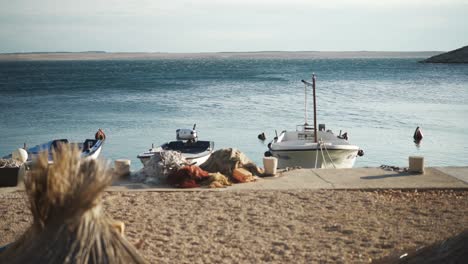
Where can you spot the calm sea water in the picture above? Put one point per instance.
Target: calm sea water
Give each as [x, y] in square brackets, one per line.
[379, 102]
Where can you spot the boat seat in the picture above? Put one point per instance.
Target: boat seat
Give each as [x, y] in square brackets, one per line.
[89, 143]
[56, 143]
[175, 145]
[188, 147]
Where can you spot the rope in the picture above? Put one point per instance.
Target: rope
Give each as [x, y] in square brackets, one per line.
[321, 151]
[9, 163]
[316, 159]
[329, 157]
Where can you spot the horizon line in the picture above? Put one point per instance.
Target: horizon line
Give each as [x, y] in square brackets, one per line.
[214, 52]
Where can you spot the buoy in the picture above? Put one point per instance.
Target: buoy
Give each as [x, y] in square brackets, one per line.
[100, 135]
[418, 135]
[261, 136]
[20, 155]
[360, 153]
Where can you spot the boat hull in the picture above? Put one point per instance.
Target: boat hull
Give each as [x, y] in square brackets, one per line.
[193, 161]
[313, 158]
[90, 149]
[195, 153]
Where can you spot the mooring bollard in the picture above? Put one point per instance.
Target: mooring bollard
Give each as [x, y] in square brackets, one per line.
[122, 168]
[416, 164]
[270, 164]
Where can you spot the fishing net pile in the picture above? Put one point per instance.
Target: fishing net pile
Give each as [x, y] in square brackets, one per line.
[187, 177]
[158, 168]
[224, 167]
[229, 162]
[69, 225]
[10, 163]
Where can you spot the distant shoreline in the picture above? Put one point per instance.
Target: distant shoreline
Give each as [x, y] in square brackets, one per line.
[101, 55]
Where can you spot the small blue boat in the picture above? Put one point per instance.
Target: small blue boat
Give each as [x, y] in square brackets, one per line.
[90, 148]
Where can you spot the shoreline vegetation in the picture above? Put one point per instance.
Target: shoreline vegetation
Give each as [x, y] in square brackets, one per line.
[102, 55]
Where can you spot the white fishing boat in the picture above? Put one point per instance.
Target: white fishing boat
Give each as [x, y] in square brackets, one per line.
[90, 148]
[195, 151]
[309, 147]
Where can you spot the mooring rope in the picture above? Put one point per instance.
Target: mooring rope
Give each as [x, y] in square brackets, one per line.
[329, 156]
[321, 151]
[316, 159]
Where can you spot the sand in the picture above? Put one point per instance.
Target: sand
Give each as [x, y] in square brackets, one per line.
[297, 226]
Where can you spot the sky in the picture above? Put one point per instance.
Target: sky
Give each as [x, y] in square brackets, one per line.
[232, 25]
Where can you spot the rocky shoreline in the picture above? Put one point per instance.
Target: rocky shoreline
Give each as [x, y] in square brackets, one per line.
[455, 56]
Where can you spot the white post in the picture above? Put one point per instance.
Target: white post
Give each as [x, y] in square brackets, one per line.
[416, 164]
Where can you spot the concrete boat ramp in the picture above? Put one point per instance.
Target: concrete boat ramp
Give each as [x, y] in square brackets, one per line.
[357, 178]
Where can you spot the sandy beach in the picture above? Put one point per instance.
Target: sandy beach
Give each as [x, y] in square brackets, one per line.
[296, 226]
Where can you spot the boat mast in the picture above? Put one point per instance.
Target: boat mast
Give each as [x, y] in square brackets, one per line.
[315, 109]
[305, 104]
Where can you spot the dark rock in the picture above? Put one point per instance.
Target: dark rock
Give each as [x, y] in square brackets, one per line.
[455, 56]
[451, 250]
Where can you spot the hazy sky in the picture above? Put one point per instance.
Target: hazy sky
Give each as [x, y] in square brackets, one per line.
[232, 25]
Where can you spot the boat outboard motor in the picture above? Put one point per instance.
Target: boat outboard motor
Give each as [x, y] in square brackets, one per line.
[186, 134]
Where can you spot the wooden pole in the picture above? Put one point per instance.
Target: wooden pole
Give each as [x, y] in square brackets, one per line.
[315, 109]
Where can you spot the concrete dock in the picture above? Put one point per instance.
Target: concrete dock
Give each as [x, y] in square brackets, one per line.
[357, 178]
[362, 178]
[314, 179]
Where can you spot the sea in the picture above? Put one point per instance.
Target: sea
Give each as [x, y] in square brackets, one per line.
[379, 102]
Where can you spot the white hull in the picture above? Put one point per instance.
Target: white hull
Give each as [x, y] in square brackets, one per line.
[338, 158]
[195, 152]
[192, 161]
[95, 155]
[298, 149]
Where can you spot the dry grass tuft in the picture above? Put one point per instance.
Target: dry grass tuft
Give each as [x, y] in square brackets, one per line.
[69, 225]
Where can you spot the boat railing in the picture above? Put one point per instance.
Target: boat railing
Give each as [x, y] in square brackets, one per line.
[305, 132]
[305, 128]
[305, 136]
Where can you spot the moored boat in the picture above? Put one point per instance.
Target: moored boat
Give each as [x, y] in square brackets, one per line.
[309, 147]
[90, 148]
[195, 151]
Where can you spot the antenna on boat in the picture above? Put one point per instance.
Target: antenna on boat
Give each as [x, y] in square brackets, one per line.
[305, 103]
[315, 108]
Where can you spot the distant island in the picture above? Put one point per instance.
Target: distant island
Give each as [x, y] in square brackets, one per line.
[102, 55]
[455, 56]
